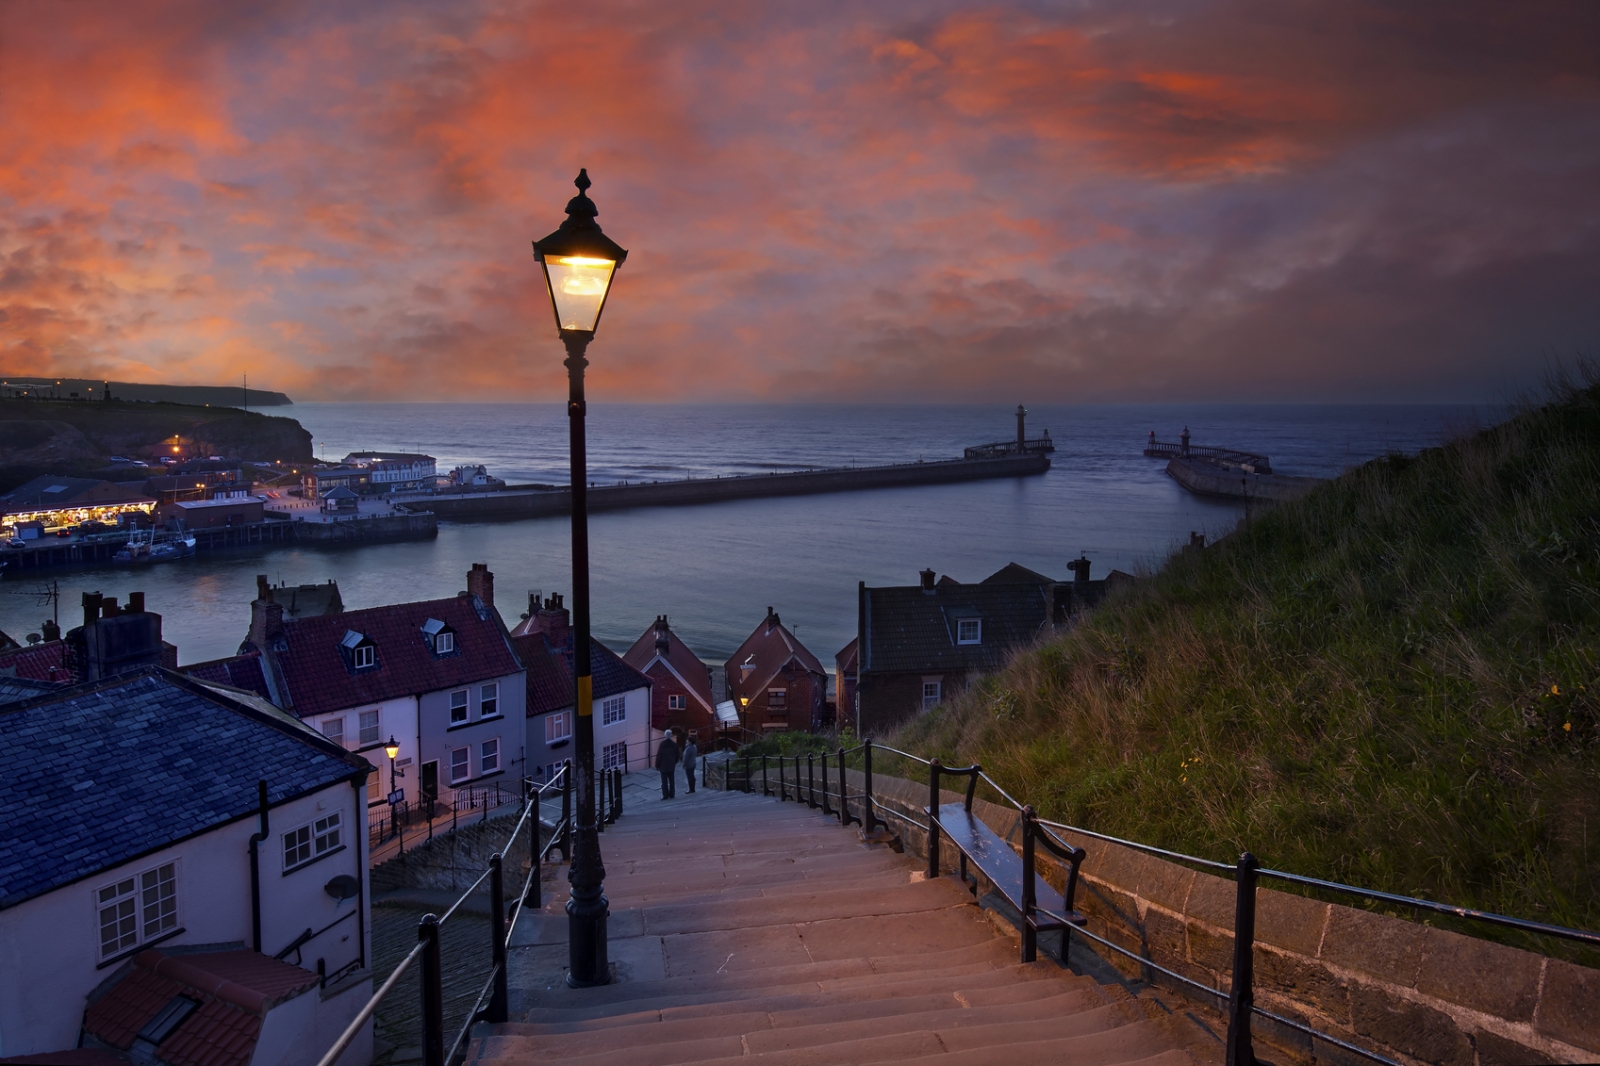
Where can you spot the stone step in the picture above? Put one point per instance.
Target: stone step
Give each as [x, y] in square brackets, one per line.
[1041, 1053]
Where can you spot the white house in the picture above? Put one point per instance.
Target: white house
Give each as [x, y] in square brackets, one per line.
[136, 835]
[623, 734]
[395, 471]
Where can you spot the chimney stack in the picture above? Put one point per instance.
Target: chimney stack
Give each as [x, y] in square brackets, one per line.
[480, 583]
[108, 607]
[927, 580]
[263, 590]
[554, 621]
[1080, 570]
[663, 641]
[136, 603]
[91, 607]
[772, 619]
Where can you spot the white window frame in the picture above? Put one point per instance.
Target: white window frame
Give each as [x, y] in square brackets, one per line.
[318, 837]
[444, 642]
[369, 734]
[558, 727]
[614, 710]
[489, 700]
[489, 757]
[364, 656]
[677, 702]
[932, 693]
[142, 911]
[962, 636]
[333, 729]
[465, 707]
[465, 762]
[614, 756]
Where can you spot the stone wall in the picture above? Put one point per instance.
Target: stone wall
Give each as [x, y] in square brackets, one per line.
[1413, 992]
[454, 859]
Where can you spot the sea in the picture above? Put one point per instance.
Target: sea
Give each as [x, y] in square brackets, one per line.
[714, 569]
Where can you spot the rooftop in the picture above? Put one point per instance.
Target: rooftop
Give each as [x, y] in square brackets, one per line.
[550, 684]
[102, 773]
[683, 663]
[910, 628]
[769, 649]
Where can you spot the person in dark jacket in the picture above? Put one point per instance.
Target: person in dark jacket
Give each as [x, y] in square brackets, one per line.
[691, 754]
[667, 763]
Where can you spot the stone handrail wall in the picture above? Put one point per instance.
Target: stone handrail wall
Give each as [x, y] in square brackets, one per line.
[1413, 992]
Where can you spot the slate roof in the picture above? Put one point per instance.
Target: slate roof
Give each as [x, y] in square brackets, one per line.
[318, 681]
[99, 774]
[17, 689]
[684, 664]
[51, 492]
[235, 989]
[771, 647]
[237, 671]
[908, 629]
[1016, 574]
[549, 679]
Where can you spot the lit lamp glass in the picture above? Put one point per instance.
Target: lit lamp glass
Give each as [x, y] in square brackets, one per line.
[391, 749]
[578, 285]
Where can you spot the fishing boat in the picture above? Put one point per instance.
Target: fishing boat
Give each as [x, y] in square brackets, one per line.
[148, 546]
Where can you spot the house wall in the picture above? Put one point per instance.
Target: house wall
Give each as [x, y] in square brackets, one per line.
[50, 945]
[888, 701]
[635, 729]
[397, 718]
[438, 738]
[695, 716]
[803, 697]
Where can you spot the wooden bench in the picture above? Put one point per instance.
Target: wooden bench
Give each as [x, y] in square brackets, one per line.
[1012, 875]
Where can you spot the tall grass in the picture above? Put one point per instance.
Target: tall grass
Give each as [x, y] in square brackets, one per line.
[1391, 682]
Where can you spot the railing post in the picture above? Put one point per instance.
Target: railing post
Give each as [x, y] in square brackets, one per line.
[869, 817]
[497, 929]
[826, 808]
[566, 811]
[933, 819]
[432, 992]
[766, 789]
[811, 778]
[1030, 936]
[531, 897]
[1241, 997]
[619, 793]
[844, 792]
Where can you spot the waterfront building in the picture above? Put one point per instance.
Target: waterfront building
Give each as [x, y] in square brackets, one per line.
[151, 905]
[395, 471]
[439, 677]
[54, 502]
[212, 513]
[776, 682]
[316, 483]
[624, 737]
[918, 645]
[680, 694]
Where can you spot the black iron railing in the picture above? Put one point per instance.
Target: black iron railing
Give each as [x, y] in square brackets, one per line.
[491, 1004]
[1237, 1000]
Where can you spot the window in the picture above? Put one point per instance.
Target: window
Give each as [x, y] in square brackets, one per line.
[930, 694]
[613, 710]
[458, 707]
[369, 727]
[333, 729]
[777, 699]
[374, 788]
[138, 909]
[364, 657]
[558, 727]
[439, 637]
[969, 630]
[489, 761]
[460, 764]
[311, 841]
[444, 643]
[677, 703]
[489, 700]
[614, 756]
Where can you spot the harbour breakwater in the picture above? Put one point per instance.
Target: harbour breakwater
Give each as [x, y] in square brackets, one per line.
[1206, 477]
[517, 502]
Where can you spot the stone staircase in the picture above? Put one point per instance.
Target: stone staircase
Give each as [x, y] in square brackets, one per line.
[744, 930]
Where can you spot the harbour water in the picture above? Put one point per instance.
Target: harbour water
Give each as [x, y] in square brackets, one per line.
[714, 569]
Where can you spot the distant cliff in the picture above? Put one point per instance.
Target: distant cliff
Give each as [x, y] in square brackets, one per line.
[67, 437]
[90, 389]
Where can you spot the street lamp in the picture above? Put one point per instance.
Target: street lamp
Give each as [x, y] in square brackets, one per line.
[392, 749]
[579, 262]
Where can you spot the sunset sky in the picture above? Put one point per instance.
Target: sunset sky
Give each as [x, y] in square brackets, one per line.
[1254, 200]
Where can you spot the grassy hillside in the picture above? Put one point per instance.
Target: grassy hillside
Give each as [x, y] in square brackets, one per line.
[1393, 682]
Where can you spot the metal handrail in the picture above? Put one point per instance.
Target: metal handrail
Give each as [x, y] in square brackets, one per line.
[907, 754]
[332, 1054]
[1151, 849]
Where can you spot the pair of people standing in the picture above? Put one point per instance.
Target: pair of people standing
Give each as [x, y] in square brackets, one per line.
[668, 757]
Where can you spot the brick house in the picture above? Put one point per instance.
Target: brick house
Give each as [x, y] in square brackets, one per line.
[776, 682]
[680, 696]
[438, 676]
[844, 685]
[916, 645]
[623, 736]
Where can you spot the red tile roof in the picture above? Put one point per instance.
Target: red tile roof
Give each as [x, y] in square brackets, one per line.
[684, 664]
[41, 662]
[235, 989]
[239, 671]
[318, 680]
[768, 649]
[82, 1056]
[846, 658]
[549, 678]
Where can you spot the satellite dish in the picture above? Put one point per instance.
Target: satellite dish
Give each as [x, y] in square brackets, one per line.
[343, 887]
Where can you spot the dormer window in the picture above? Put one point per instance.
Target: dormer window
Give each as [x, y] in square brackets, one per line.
[359, 650]
[969, 631]
[439, 637]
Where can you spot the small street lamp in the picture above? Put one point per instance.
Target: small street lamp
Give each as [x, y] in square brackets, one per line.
[392, 749]
[579, 262]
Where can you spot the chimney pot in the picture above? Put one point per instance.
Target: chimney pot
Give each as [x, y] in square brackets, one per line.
[927, 580]
[263, 590]
[91, 607]
[136, 602]
[480, 583]
[108, 607]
